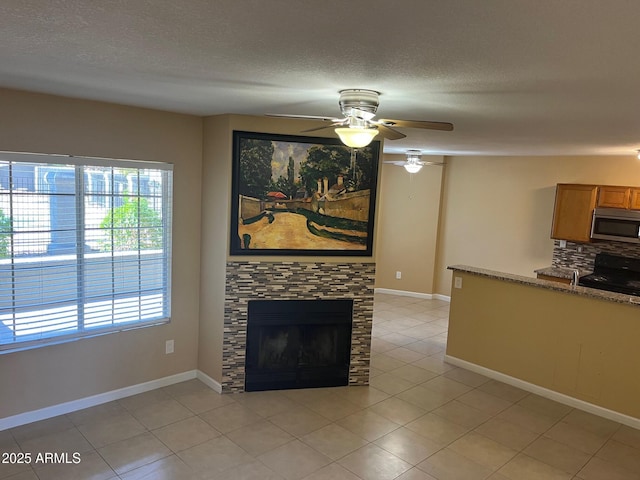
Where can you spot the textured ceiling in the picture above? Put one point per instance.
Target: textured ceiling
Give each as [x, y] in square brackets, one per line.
[521, 77]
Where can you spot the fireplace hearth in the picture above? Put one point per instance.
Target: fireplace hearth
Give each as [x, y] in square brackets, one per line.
[298, 344]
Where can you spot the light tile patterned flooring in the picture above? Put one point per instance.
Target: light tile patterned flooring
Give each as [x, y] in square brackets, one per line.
[420, 419]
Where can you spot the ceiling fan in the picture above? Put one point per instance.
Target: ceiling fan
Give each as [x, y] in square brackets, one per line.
[358, 128]
[412, 164]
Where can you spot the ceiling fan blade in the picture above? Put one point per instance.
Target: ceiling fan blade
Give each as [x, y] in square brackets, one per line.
[306, 117]
[334, 124]
[402, 163]
[444, 126]
[388, 132]
[399, 163]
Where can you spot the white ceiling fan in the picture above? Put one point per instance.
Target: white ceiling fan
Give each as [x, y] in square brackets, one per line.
[413, 163]
[358, 127]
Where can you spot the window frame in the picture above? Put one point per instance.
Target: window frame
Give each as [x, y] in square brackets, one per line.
[80, 194]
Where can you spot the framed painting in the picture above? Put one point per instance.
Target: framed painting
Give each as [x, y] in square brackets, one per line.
[295, 195]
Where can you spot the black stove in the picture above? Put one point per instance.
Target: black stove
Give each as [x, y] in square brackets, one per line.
[615, 274]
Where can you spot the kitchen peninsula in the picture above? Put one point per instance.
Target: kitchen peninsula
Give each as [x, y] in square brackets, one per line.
[576, 345]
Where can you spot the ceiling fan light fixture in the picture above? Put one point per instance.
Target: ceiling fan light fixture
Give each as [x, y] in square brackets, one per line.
[413, 164]
[356, 137]
[412, 167]
[414, 155]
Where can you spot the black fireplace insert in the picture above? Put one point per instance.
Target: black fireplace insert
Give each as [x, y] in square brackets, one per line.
[298, 344]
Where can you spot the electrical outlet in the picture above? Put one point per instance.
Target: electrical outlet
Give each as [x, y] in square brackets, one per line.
[168, 347]
[563, 244]
[457, 282]
[398, 275]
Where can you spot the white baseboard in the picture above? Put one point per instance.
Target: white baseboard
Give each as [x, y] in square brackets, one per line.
[209, 382]
[74, 405]
[547, 393]
[405, 293]
[439, 296]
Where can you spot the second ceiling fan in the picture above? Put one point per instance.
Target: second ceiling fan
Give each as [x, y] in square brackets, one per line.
[414, 162]
[358, 127]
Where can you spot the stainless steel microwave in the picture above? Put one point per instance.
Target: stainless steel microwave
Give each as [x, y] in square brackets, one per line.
[616, 224]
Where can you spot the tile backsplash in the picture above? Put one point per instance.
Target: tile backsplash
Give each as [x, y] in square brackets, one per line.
[570, 257]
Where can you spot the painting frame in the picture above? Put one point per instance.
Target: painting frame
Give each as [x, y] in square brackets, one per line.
[338, 211]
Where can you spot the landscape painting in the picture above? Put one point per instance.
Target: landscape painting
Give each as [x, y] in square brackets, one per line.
[294, 195]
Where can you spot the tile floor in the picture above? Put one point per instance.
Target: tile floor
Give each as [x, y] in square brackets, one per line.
[420, 419]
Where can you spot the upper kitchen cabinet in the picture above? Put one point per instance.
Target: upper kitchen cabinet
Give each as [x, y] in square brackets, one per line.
[619, 197]
[573, 212]
[614, 197]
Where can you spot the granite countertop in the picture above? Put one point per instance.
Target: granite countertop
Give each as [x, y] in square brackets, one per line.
[561, 272]
[551, 285]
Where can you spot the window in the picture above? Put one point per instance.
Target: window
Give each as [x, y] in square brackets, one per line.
[85, 247]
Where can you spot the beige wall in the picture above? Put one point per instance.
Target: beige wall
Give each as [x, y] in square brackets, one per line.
[47, 376]
[216, 217]
[496, 211]
[408, 226]
[579, 346]
[216, 179]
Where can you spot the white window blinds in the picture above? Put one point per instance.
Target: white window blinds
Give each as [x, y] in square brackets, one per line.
[85, 247]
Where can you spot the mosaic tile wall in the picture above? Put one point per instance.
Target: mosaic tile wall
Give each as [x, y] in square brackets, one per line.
[295, 281]
[570, 257]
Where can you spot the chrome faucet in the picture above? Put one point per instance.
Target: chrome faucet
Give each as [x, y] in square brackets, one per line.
[575, 277]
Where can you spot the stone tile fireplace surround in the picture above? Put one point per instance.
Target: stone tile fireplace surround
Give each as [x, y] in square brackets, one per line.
[257, 280]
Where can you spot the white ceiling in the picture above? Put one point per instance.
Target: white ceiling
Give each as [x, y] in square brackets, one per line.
[516, 77]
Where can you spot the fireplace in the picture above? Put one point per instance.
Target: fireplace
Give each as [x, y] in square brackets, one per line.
[298, 344]
[248, 281]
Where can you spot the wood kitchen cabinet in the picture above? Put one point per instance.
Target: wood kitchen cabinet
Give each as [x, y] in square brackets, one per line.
[614, 197]
[573, 212]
